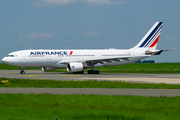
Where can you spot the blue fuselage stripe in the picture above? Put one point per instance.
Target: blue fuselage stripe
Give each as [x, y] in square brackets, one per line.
[153, 37]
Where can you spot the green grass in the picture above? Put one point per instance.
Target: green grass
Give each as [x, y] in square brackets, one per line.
[143, 68]
[4, 66]
[146, 66]
[90, 107]
[87, 107]
[128, 68]
[84, 84]
[138, 68]
[154, 71]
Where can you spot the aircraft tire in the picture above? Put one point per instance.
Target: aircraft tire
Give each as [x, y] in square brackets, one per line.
[96, 71]
[82, 72]
[93, 71]
[22, 72]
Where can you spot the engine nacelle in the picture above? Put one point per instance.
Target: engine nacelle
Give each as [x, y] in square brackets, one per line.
[48, 69]
[74, 67]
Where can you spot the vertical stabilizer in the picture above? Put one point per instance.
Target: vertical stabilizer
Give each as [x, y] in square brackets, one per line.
[151, 38]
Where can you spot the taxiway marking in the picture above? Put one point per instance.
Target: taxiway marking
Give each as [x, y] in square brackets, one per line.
[29, 75]
[71, 75]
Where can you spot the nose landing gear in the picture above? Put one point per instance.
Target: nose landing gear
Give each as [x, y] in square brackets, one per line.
[22, 70]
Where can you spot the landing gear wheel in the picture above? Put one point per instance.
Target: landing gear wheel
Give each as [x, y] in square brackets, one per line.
[93, 71]
[82, 72]
[22, 72]
[90, 71]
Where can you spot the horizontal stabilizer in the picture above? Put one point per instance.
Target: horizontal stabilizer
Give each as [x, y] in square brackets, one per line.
[156, 52]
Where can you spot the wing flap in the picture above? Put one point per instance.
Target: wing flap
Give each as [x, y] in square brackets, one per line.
[101, 60]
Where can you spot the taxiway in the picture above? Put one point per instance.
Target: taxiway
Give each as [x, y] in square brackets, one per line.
[128, 77]
[94, 91]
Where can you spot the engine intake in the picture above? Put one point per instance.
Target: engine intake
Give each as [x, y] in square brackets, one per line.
[74, 67]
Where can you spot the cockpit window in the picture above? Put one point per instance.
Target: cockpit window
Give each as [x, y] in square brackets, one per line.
[10, 56]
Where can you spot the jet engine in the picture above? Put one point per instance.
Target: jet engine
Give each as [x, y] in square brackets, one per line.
[74, 67]
[48, 69]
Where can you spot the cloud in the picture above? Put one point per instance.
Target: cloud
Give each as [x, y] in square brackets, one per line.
[104, 2]
[170, 38]
[47, 3]
[34, 35]
[91, 34]
[13, 28]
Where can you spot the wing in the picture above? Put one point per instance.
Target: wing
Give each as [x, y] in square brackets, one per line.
[95, 60]
[107, 59]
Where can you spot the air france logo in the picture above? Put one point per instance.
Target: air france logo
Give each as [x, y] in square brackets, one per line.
[73, 67]
[71, 52]
[50, 53]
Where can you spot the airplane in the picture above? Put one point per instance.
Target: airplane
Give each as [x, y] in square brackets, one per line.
[76, 61]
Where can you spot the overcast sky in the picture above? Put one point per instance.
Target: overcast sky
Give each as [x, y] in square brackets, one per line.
[88, 24]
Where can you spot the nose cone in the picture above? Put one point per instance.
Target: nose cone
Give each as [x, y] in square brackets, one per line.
[4, 59]
[8, 60]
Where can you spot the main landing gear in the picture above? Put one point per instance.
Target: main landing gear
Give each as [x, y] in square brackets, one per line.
[89, 72]
[82, 72]
[93, 71]
[22, 70]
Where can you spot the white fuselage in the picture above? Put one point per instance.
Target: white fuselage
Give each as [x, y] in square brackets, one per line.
[60, 58]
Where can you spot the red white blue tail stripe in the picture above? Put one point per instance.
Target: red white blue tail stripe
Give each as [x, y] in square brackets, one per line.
[150, 40]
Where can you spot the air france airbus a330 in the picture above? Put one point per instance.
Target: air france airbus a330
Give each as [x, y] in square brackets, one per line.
[77, 60]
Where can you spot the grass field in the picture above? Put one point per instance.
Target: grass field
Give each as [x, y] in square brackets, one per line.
[84, 84]
[91, 107]
[4, 66]
[128, 68]
[88, 107]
